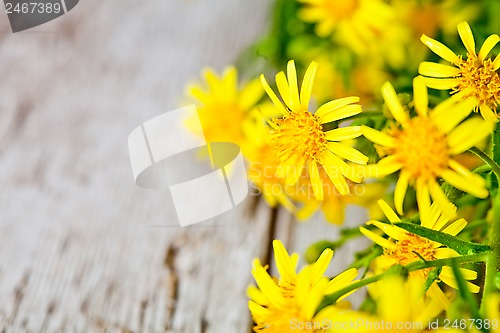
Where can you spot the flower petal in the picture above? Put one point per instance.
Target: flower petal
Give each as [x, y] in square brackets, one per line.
[379, 137]
[377, 239]
[393, 103]
[442, 200]
[307, 85]
[342, 113]
[437, 70]
[488, 45]
[388, 212]
[467, 37]
[449, 113]
[441, 84]
[468, 134]
[455, 227]
[276, 101]
[348, 153]
[344, 133]
[292, 82]
[400, 191]
[334, 105]
[464, 184]
[440, 49]
[420, 97]
[316, 182]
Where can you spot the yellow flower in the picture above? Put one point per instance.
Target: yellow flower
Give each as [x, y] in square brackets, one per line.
[476, 76]
[355, 23]
[299, 137]
[400, 308]
[403, 248]
[424, 147]
[263, 166]
[222, 106]
[289, 304]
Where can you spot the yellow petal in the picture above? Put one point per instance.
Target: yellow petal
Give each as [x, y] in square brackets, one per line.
[441, 84]
[423, 197]
[467, 37]
[284, 89]
[338, 180]
[468, 134]
[390, 230]
[440, 49]
[251, 94]
[292, 82]
[316, 183]
[283, 262]
[335, 104]
[471, 177]
[343, 133]
[307, 85]
[400, 191]
[496, 63]
[276, 101]
[455, 228]
[448, 114]
[378, 137]
[341, 113]
[393, 103]
[335, 164]
[341, 280]
[437, 70]
[442, 200]
[420, 97]
[377, 239]
[488, 45]
[347, 152]
[384, 167]
[487, 113]
[388, 212]
[321, 265]
[444, 253]
[464, 184]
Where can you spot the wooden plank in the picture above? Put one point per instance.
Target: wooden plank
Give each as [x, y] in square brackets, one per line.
[77, 252]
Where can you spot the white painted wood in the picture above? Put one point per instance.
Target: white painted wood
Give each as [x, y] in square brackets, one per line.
[78, 249]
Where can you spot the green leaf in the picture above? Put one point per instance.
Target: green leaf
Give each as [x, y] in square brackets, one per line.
[462, 247]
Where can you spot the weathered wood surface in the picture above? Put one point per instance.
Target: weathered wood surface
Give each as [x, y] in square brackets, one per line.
[80, 245]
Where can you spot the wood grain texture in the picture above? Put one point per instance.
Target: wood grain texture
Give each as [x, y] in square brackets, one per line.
[80, 245]
[82, 249]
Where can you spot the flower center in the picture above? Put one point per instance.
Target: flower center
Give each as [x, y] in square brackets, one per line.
[218, 122]
[422, 149]
[341, 9]
[299, 135]
[481, 80]
[411, 248]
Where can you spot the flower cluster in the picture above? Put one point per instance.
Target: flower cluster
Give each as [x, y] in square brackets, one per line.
[365, 115]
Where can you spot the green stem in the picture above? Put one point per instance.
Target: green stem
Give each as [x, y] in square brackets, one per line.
[488, 160]
[493, 259]
[415, 266]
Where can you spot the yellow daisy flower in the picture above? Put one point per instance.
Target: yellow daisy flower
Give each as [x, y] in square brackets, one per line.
[400, 308]
[424, 147]
[299, 137]
[355, 23]
[289, 304]
[403, 247]
[476, 76]
[222, 106]
[263, 167]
